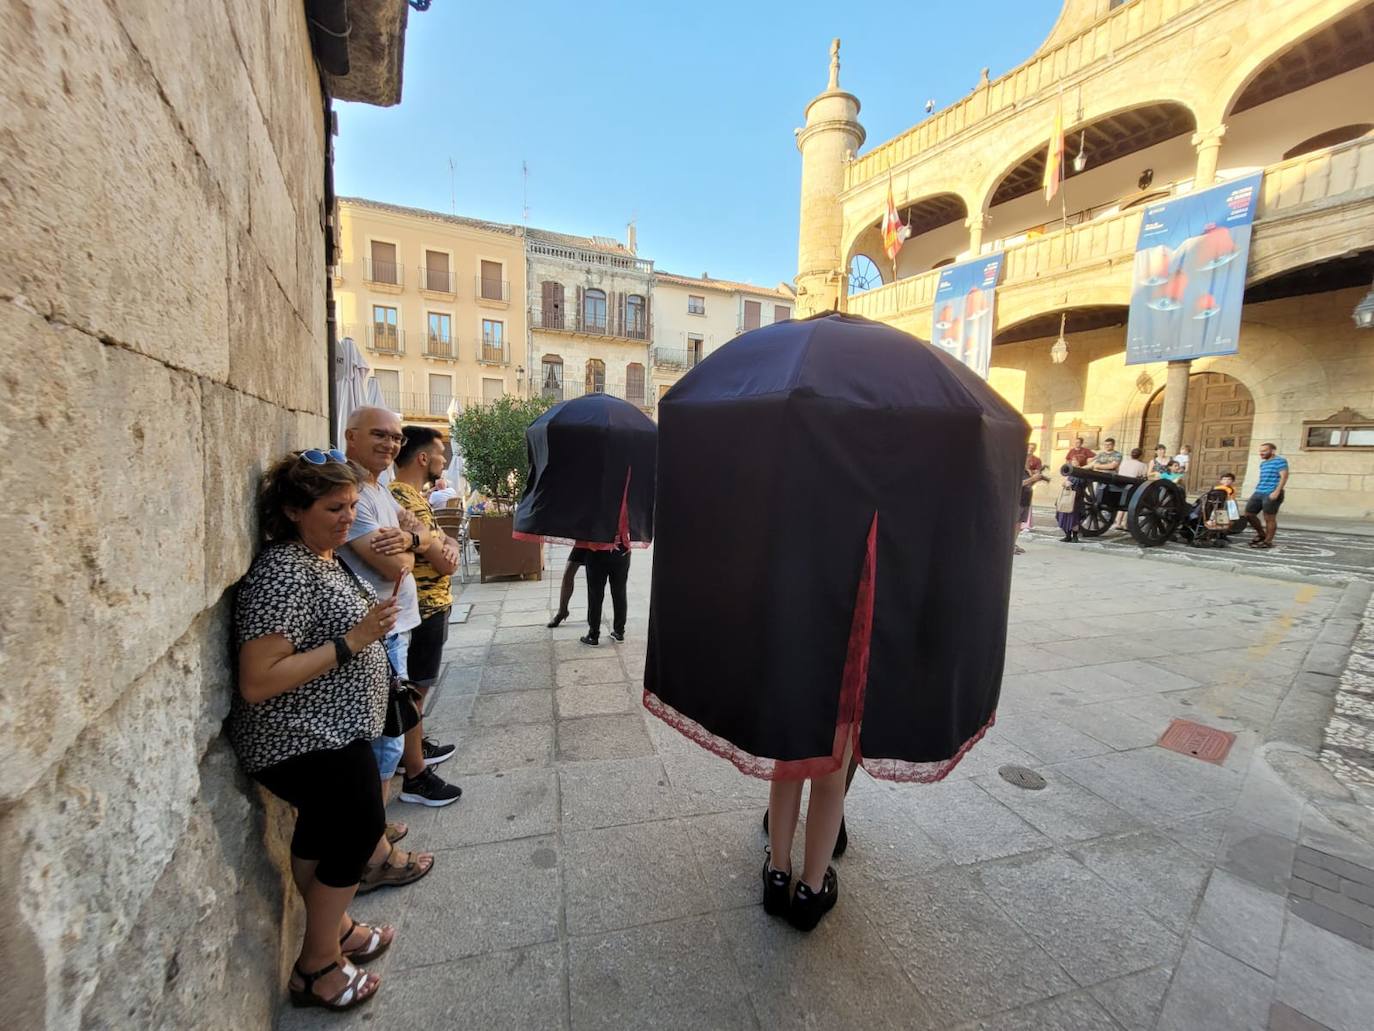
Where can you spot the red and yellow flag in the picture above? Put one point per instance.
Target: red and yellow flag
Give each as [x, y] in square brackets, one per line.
[1054, 160]
[894, 233]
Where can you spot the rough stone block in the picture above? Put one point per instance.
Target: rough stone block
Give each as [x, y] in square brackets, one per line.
[625, 876]
[108, 568]
[1134, 1001]
[112, 225]
[603, 737]
[272, 212]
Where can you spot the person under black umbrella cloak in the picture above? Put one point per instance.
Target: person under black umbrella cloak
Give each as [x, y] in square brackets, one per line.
[591, 484]
[855, 589]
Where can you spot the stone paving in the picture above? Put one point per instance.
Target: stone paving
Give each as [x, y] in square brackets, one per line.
[602, 872]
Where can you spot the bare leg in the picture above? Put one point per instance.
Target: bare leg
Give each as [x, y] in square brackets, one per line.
[823, 816]
[784, 808]
[565, 592]
[326, 916]
[1271, 527]
[413, 758]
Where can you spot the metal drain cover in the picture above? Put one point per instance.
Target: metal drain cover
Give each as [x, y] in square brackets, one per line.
[1021, 777]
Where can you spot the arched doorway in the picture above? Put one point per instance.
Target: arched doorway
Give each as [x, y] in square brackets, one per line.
[1216, 424]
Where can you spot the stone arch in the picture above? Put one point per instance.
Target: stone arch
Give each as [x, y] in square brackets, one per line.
[906, 199]
[1218, 425]
[1019, 304]
[928, 213]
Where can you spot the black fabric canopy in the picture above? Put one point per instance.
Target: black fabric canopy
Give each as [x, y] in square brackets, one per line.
[592, 462]
[836, 502]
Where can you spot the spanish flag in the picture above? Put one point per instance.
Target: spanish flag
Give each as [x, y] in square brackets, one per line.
[894, 233]
[1054, 159]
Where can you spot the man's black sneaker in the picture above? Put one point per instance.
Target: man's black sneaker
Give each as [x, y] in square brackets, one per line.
[429, 789]
[434, 752]
[617, 635]
[809, 906]
[589, 639]
[775, 885]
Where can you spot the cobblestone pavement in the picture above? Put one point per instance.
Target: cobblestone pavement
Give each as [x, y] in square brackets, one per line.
[602, 872]
[1308, 555]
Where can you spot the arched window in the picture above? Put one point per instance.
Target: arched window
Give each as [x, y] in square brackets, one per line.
[551, 377]
[635, 321]
[1330, 138]
[594, 311]
[596, 376]
[634, 383]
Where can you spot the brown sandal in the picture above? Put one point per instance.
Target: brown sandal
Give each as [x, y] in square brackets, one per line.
[350, 995]
[395, 832]
[389, 874]
[379, 939]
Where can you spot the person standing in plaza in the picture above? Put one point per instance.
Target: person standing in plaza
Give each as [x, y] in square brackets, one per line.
[605, 566]
[420, 457]
[1034, 474]
[1108, 460]
[1079, 455]
[1268, 496]
[1134, 466]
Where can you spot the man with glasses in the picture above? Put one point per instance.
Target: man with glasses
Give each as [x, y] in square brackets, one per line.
[383, 543]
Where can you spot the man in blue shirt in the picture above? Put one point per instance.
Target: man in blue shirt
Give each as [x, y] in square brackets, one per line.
[1268, 496]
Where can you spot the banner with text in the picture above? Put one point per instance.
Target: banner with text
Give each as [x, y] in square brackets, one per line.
[1189, 275]
[963, 311]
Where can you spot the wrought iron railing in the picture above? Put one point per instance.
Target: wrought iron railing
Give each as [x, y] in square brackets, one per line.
[487, 289]
[377, 337]
[440, 347]
[436, 281]
[388, 273]
[593, 321]
[493, 352]
[674, 358]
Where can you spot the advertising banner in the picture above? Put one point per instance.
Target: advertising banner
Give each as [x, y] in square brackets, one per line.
[1189, 274]
[963, 311]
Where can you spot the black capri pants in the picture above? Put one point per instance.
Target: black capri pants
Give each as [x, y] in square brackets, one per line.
[339, 813]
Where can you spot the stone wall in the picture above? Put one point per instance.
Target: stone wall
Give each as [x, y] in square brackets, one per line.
[162, 325]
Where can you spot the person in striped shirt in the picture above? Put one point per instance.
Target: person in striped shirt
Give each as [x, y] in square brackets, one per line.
[1268, 496]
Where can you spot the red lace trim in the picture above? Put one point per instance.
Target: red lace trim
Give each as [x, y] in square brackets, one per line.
[622, 539]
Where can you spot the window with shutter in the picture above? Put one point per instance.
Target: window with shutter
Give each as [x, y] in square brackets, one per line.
[596, 376]
[634, 383]
[781, 313]
[753, 314]
[383, 261]
[551, 377]
[492, 282]
[635, 319]
[594, 311]
[551, 305]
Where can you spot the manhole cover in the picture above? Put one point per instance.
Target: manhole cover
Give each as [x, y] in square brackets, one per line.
[1021, 777]
[1205, 743]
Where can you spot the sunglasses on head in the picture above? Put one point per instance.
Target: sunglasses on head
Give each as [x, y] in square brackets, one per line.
[317, 457]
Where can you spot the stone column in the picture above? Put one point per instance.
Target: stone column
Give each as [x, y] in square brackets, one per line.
[1175, 404]
[831, 135]
[975, 224]
[1208, 146]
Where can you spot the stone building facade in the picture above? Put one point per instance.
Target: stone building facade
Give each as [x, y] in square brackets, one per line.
[435, 302]
[1160, 97]
[163, 323]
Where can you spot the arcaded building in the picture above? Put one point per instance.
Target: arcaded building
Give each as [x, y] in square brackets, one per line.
[1159, 98]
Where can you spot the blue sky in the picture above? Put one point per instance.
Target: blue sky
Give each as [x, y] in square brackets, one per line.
[678, 116]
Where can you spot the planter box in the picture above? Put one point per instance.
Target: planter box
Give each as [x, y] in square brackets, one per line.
[503, 555]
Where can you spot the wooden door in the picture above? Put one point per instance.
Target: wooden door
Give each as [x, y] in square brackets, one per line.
[1217, 423]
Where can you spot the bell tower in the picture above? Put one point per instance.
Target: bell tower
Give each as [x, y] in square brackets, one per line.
[831, 136]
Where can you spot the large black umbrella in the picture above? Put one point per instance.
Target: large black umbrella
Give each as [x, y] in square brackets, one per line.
[835, 509]
[591, 478]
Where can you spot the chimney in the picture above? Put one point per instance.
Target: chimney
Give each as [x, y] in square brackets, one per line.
[631, 240]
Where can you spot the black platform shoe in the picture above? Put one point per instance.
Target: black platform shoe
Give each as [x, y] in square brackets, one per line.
[775, 885]
[809, 906]
[841, 839]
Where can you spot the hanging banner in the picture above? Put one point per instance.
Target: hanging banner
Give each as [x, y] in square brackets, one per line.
[1189, 275]
[963, 311]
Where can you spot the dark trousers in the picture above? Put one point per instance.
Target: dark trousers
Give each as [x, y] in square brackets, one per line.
[602, 566]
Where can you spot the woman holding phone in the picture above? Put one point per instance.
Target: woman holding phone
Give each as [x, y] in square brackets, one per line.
[312, 690]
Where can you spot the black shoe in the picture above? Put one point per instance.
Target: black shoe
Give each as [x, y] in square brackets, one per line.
[808, 907]
[1075, 539]
[618, 635]
[1066, 539]
[589, 639]
[841, 840]
[434, 752]
[558, 618]
[429, 789]
[775, 885]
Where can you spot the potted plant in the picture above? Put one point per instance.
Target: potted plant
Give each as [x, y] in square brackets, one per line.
[492, 441]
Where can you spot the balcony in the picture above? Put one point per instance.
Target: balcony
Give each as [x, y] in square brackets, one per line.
[673, 358]
[420, 405]
[378, 337]
[436, 281]
[493, 351]
[383, 273]
[445, 348]
[591, 323]
[496, 291]
[1311, 208]
[636, 394]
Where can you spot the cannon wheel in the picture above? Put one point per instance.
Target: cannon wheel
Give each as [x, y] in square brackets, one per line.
[1098, 513]
[1154, 513]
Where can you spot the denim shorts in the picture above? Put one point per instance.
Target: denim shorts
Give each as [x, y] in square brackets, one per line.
[388, 749]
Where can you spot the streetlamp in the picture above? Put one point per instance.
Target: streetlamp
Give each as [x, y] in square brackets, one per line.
[1364, 311]
[1060, 350]
[1080, 160]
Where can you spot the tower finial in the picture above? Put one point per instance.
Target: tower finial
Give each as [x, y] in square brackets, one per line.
[834, 63]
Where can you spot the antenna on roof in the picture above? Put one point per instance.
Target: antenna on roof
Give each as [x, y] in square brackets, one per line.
[525, 175]
[452, 190]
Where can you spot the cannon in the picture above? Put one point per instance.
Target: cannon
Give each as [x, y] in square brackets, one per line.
[1156, 510]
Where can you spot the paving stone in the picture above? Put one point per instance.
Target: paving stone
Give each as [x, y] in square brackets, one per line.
[1062, 810]
[458, 657]
[1117, 724]
[514, 746]
[624, 876]
[603, 737]
[729, 850]
[1258, 855]
[517, 617]
[969, 824]
[516, 677]
[637, 979]
[1049, 740]
[494, 807]
[1157, 875]
[519, 635]
[613, 792]
[1286, 1018]
[600, 670]
[1092, 930]
[482, 898]
[1213, 991]
[889, 842]
[490, 710]
[989, 755]
[1134, 1001]
[1243, 921]
[597, 700]
[1076, 1012]
[1336, 922]
[532, 653]
[1153, 783]
[969, 958]
[1325, 977]
[544, 600]
[1202, 835]
[839, 976]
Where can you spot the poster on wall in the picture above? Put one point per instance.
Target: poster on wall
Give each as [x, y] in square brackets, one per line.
[1189, 276]
[963, 311]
